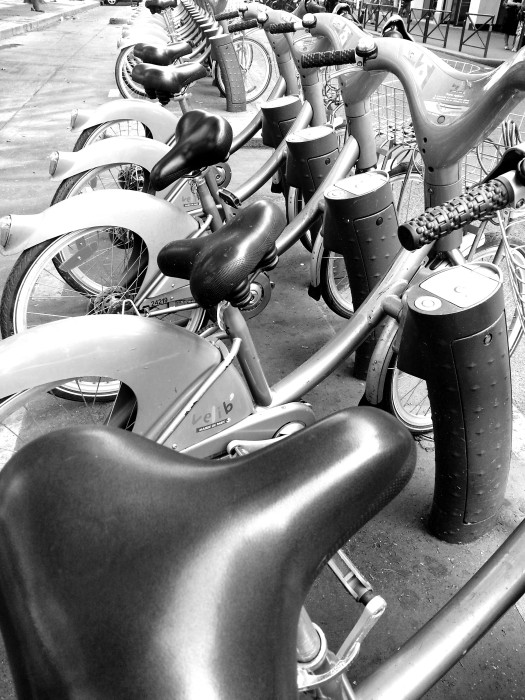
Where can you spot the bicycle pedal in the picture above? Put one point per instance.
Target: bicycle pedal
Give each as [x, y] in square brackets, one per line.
[350, 577]
[229, 198]
[348, 652]
[240, 448]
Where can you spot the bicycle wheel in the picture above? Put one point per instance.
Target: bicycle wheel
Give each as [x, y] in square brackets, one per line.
[335, 286]
[89, 271]
[122, 127]
[128, 88]
[256, 67]
[119, 176]
[408, 196]
[406, 396]
[37, 411]
[294, 205]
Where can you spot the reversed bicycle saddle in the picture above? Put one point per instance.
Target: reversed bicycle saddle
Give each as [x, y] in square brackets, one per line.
[161, 56]
[157, 6]
[218, 266]
[130, 572]
[164, 82]
[201, 139]
[395, 27]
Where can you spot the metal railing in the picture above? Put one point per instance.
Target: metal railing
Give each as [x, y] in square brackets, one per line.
[375, 14]
[430, 24]
[476, 32]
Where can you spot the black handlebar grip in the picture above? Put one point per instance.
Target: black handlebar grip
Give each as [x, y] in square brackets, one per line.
[282, 28]
[241, 26]
[227, 15]
[479, 203]
[327, 58]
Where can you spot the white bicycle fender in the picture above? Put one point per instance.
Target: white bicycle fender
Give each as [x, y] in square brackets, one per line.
[156, 221]
[156, 360]
[158, 119]
[123, 149]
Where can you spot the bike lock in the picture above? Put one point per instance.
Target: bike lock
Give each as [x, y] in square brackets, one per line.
[278, 117]
[455, 338]
[311, 155]
[360, 223]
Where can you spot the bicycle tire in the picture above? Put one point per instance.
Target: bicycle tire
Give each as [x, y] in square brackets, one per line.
[294, 205]
[121, 127]
[119, 176]
[42, 409]
[405, 396]
[334, 284]
[128, 88]
[256, 67]
[101, 267]
[105, 177]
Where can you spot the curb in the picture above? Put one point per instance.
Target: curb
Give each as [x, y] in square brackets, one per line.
[43, 22]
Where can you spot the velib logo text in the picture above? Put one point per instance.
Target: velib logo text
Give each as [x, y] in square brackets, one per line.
[218, 415]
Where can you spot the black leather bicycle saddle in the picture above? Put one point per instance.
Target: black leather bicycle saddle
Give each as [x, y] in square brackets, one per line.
[218, 266]
[130, 572]
[163, 82]
[201, 139]
[157, 6]
[162, 56]
[395, 27]
[313, 7]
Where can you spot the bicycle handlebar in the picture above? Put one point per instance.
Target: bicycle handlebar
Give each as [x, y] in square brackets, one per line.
[328, 58]
[241, 26]
[282, 28]
[227, 15]
[479, 203]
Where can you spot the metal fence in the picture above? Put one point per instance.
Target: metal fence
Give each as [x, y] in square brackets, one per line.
[430, 24]
[476, 32]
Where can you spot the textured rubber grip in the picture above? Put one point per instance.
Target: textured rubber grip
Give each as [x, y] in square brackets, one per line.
[327, 58]
[227, 15]
[241, 26]
[282, 28]
[478, 204]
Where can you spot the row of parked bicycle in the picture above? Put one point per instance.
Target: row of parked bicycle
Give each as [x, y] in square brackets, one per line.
[159, 235]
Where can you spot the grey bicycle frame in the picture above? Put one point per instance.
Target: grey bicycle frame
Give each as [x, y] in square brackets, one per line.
[451, 111]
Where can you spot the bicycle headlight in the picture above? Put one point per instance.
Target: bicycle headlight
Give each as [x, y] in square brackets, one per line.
[53, 162]
[5, 230]
[73, 118]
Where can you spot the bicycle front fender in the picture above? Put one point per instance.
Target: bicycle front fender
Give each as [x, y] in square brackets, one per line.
[160, 363]
[160, 122]
[114, 151]
[156, 360]
[156, 221]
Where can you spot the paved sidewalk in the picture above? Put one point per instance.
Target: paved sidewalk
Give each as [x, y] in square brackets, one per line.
[17, 17]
